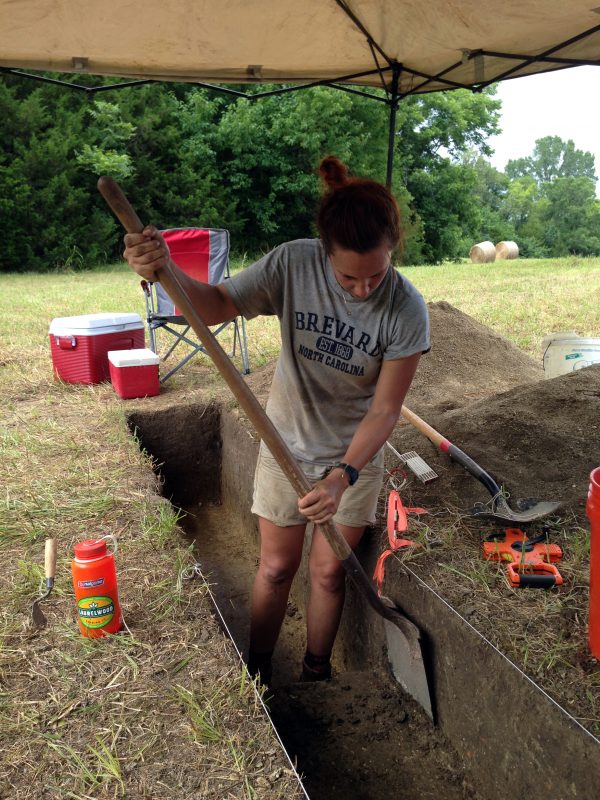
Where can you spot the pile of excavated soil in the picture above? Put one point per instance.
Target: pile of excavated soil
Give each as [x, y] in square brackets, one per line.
[467, 362]
[540, 440]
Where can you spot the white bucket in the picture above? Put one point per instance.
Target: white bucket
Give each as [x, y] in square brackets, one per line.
[567, 352]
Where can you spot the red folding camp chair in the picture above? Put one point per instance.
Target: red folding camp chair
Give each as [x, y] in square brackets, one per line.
[202, 253]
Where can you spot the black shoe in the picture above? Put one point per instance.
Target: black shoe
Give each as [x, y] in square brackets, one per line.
[312, 674]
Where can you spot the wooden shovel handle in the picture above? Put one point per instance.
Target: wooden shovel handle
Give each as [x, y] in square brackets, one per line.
[426, 429]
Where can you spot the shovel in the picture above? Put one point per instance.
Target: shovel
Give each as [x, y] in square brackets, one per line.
[403, 637]
[528, 511]
[39, 618]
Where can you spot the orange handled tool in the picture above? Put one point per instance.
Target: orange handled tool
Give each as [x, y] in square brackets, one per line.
[529, 562]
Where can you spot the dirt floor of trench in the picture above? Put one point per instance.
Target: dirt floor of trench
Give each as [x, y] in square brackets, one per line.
[356, 736]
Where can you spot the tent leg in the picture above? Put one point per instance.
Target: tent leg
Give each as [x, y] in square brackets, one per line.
[393, 103]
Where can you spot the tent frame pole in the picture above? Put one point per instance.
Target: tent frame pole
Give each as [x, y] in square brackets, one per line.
[394, 99]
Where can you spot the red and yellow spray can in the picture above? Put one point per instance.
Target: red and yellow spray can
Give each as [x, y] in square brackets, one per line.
[95, 584]
[593, 513]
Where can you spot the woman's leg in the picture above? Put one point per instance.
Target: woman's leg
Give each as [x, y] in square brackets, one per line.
[327, 589]
[280, 554]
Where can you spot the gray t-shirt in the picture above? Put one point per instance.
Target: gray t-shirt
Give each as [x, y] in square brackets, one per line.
[332, 346]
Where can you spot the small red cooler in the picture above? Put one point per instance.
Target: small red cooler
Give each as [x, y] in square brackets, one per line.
[80, 345]
[134, 373]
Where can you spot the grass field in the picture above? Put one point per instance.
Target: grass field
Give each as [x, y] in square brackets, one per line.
[523, 300]
[165, 710]
[78, 719]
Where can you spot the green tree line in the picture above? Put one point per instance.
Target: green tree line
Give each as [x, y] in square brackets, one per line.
[188, 156]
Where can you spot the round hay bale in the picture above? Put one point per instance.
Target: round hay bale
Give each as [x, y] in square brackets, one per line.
[507, 250]
[482, 253]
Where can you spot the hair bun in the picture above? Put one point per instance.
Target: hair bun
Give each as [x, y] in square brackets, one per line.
[333, 172]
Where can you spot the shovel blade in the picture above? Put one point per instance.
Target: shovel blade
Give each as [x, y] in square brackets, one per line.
[527, 511]
[408, 667]
[38, 616]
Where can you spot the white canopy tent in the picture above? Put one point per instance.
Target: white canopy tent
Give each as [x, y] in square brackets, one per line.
[437, 44]
[403, 46]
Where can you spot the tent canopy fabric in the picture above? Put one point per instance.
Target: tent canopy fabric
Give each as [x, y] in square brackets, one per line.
[411, 46]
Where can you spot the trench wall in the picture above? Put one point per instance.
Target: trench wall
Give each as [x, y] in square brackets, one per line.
[513, 737]
[184, 443]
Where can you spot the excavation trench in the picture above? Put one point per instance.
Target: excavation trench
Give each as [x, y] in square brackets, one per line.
[359, 736]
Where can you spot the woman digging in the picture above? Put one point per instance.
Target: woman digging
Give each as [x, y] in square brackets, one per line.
[352, 331]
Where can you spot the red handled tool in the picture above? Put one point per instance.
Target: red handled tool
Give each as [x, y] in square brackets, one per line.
[527, 511]
[529, 562]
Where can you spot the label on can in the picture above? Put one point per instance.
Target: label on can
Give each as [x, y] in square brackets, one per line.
[90, 584]
[96, 612]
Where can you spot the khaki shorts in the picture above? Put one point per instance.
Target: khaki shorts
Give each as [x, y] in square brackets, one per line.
[275, 500]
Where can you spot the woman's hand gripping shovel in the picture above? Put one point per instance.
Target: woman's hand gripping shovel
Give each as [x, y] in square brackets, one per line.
[403, 638]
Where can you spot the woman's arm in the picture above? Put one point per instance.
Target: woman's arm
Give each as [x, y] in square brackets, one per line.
[393, 383]
[378, 423]
[147, 253]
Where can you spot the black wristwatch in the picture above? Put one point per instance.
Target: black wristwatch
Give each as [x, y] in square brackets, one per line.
[350, 471]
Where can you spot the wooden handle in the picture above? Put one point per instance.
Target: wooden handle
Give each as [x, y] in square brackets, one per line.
[50, 559]
[455, 453]
[120, 205]
[112, 193]
[426, 429]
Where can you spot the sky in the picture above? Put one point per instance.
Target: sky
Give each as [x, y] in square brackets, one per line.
[564, 103]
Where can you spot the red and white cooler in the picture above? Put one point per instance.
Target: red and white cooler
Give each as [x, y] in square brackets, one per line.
[134, 373]
[80, 345]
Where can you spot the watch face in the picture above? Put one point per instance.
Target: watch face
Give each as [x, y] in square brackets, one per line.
[351, 472]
